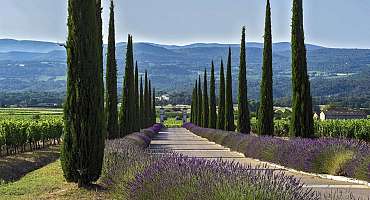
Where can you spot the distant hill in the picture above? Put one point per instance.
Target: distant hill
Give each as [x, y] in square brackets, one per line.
[41, 66]
[8, 45]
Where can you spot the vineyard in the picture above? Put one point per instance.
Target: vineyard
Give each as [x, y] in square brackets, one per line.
[354, 129]
[22, 131]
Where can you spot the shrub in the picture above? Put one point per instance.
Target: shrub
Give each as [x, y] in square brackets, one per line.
[324, 155]
[351, 129]
[15, 134]
[178, 177]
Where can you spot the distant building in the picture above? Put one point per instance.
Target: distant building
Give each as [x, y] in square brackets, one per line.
[342, 114]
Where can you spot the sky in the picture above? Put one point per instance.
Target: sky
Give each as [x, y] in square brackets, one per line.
[331, 23]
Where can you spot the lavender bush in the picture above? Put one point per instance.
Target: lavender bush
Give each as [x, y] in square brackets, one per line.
[135, 173]
[177, 177]
[325, 155]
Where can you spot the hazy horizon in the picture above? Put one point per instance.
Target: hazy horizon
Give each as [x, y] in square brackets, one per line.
[174, 22]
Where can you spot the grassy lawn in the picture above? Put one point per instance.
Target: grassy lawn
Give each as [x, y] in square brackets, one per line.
[48, 183]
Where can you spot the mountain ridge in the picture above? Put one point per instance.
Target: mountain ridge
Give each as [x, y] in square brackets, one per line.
[27, 66]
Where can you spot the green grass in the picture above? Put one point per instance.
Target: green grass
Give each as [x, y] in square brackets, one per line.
[173, 123]
[47, 183]
[332, 162]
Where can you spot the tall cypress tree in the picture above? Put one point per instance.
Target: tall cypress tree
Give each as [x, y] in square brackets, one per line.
[81, 155]
[200, 104]
[243, 116]
[136, 101]
[150, 114]
[127, 114]
[193, 95]
[196, 110]
[266, 111]
[205, 101]
[212, 99]
[302, 118]
[221, 100]
[141, 112]
[146, 97]
[154, 116]
[111, 81]
[99, 139]
[229, 107]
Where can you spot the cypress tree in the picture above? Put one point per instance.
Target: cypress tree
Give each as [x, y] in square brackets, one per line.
[192, 105]
[302, 118]
[111, 81]
[127, 114]
[136, 101]
[229, 107]
[200, 104]
[196, 110]
[150, 114]
[99, 139]
[83, 135]
[221, 101]
[146, 103]
[266, 111]
[141, 112]
[212, 99]
[243, 116]
[205, 101]
[154, 116]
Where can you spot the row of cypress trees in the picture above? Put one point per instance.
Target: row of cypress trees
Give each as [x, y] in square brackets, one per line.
[138, 102]
[302, 118]
[203, 112]
[301, 123]
[87, 122]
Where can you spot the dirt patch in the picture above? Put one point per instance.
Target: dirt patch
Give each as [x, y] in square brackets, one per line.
[14, 167]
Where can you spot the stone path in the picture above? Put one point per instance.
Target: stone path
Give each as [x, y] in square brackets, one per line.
[183, 141]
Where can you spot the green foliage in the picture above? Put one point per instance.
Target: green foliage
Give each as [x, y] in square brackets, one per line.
[128, 112]
[150, 105]
[302, 117]
[200, 104]
[111, 81]
[153, 111]
[141, 102]
[266, 110]
[205, 101]
[229, 106]
[196, 103]
[15, 134]
[352, 129]
[146, 101]
[136, 100]
[83, 141]
[357, 129]
[243, 125]
[221, 100]
[172, 123]
[332, 161]
[193, 106]
[212, 99]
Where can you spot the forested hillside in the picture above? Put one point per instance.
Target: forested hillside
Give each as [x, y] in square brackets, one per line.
[335, 73]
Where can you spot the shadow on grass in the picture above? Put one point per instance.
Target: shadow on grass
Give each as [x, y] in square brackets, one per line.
[14, 167]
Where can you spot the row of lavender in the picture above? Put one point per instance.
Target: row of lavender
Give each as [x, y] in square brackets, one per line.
[343, 157]
[135, 173]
